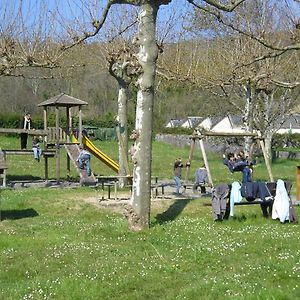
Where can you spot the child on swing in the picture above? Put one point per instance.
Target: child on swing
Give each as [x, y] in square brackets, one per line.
[239, 163]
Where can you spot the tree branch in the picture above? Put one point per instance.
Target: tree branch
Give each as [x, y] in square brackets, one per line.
[97, 24]
[289, 85]
[228, 8]
[262, 41]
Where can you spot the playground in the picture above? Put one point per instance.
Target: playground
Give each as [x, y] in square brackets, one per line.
[58, 242]
[57, 139]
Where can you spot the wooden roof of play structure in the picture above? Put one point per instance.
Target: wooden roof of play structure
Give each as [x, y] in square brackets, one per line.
[63, 100]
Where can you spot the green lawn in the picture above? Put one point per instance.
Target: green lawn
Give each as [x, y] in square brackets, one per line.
[55, 245]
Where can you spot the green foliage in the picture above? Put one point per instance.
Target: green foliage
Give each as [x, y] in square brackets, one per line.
[286, 140]
[13, 121]
[10, 120]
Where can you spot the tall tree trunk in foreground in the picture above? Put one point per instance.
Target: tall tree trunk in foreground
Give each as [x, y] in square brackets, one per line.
[139, 212]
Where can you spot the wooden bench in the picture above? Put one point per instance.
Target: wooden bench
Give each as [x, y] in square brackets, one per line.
[156, 186]
[265, 204]
[47, 153]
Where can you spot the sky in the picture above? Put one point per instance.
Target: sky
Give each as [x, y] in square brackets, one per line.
[72, 11]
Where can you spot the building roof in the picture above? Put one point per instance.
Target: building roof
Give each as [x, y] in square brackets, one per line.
[215, 120]
[63, 100]
[175, 123]
[236, 121]
[192, 122]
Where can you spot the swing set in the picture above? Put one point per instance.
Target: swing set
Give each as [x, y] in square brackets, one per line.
[198, 137]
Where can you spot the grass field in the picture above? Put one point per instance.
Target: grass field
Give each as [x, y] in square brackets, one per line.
[54, 244]
[163, 156]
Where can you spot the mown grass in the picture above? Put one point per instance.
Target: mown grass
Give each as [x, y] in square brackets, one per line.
[55, 245]
[69, 249]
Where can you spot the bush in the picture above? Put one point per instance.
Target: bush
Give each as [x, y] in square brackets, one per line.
[10, 120]
[281, 141]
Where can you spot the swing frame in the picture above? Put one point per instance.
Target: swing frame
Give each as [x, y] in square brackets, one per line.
[198, 136]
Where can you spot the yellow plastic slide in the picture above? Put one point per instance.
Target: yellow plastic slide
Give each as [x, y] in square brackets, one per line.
[99, 154]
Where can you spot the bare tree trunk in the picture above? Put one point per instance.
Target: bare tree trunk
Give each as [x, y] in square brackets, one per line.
[268, 144]
[248, 115]
[123, 132]
[139, 212]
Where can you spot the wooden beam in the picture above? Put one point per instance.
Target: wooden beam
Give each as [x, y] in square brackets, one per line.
[225, 134]
[206, 162]
[68, 140]
[189, 161]
[267, 159]
[57, 146]
[30, 132]
[80, 126]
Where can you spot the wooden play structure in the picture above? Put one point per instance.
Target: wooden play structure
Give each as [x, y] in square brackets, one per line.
[198, 137]
[58, 137]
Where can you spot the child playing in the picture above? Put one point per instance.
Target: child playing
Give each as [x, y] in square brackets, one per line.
[37, 151]
[239, 163]
[84, 160]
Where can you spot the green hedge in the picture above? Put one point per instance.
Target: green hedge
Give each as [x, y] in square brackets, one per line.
[14, 120]
[281, 141]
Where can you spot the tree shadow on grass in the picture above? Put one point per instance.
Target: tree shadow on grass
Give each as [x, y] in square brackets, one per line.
[16, 214]
[172, 212]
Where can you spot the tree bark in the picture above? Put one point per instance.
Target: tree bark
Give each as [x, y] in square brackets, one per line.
[268, 144]
[123, 132]
[248, 115]
[139, 212]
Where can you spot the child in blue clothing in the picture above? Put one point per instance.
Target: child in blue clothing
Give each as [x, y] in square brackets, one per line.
[37, 151]
[239, 163]
[84, 160]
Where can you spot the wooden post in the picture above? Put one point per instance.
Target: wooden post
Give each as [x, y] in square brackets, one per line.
[46, 168]
[57, 143]
[80, 126]
[189, 161]
[45, 124]
[68, 140]
[45, 143]
[205, 162]
[298, 183]
[267, 161]
[4, 170]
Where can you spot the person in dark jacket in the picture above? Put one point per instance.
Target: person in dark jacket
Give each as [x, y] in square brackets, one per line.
[239, 163]
[26, 123]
